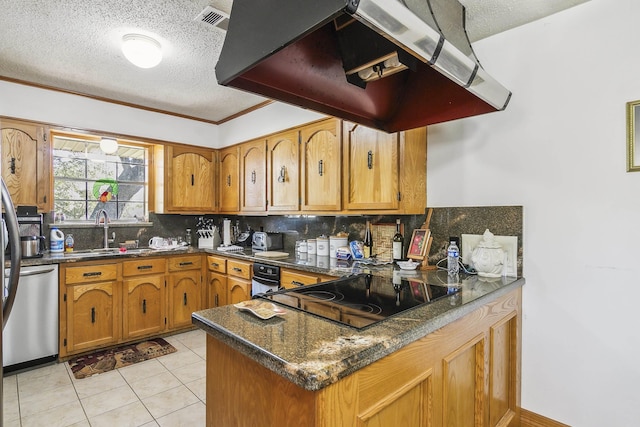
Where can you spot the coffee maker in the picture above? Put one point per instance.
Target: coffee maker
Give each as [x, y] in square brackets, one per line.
[30, 228]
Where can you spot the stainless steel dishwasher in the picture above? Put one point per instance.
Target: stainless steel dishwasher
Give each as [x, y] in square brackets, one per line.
[30, 336]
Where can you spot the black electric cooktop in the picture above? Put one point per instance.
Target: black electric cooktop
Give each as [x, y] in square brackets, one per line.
[362, 300]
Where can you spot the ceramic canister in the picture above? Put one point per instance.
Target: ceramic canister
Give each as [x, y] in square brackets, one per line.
[334, 243]
[322, 246]
[311, 246]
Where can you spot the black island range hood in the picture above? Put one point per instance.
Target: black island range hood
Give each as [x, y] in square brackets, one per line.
[389, 64]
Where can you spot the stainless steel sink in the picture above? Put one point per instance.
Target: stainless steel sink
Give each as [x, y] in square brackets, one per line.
[106, 252]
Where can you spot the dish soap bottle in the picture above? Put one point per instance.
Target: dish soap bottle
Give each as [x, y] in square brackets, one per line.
[68, 243]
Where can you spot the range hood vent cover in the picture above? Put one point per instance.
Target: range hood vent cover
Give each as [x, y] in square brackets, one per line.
[388, 64]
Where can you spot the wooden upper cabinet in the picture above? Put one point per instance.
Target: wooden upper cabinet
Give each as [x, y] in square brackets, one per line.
[26, 163]
[229, 180]
[283, 172]
[371, 179]
[189, 183]
[253, 176]
[413, 171]
[321, 164]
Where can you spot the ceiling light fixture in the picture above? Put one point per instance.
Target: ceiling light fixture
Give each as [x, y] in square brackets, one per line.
[141, 51]
[108, 145]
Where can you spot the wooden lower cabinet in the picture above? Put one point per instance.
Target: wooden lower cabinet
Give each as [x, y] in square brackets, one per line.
[143, 301]
[91, 302]
[238, 281]
[238, 290]
[293, 278]
[464, 374]
[185, 289]
[104, 304]
[216, 290]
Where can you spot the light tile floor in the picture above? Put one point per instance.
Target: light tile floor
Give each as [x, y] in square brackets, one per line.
[166, 391]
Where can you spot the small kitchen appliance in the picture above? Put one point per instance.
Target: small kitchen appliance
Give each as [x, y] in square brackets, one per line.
[31, 237]
[266, 241]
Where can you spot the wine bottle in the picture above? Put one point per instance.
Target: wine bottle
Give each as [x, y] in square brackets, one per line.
[398, 242]
[368, 242]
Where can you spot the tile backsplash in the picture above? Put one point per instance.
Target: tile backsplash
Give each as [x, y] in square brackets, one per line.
[445, 222]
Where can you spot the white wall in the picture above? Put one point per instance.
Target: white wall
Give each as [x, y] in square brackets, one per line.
[31, 103]
[559, 150]
[272, 118]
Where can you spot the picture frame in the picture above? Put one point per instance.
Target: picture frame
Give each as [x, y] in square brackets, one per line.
[633, 136]
[418, 244]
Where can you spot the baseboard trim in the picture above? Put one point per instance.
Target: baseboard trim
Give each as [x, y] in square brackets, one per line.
[531, 419]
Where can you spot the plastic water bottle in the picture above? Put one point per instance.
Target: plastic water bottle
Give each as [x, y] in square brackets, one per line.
[453, 254]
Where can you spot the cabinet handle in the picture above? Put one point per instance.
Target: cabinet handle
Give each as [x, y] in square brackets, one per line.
[239, 270]
[228, 180]
[144, 306]
[283, 171]
[182, 264]
[253, 177]
[92, 274]
[320, 167]
[296, 283]
[13, 165]
[370, 159]
[216, 301]
[215, 265]
[144, 267]
[184, 298]
[93, 315]
[192, 180]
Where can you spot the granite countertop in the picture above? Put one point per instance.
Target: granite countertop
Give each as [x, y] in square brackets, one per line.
[314, 353]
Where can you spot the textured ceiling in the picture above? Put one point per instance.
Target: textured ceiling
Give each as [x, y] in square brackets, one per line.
[74, 45]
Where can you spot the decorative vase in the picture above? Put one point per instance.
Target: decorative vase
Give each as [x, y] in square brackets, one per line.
[488, 257]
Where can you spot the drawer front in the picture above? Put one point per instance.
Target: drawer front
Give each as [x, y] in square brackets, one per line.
[293, 279]
[218, 264]
[239, 269]
[178, 263]
[144, 266]
[91, 273]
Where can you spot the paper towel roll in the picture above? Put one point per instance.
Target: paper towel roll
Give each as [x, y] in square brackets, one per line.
[226, 232]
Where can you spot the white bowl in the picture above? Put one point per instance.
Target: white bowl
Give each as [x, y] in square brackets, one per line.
[408, 265]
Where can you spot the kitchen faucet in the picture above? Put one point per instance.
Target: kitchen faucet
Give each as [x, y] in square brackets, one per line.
[106, 225]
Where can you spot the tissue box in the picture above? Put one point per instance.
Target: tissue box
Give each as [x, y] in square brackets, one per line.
[205, 242]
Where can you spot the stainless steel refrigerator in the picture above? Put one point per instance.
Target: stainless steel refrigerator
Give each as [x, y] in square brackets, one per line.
[9, 235]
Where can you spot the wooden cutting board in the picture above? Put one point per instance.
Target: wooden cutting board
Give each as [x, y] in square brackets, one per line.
[271, 254]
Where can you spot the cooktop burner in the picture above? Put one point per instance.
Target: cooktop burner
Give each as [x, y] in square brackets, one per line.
[361, 300]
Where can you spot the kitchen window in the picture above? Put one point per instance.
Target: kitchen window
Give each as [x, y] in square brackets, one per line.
[86, 179]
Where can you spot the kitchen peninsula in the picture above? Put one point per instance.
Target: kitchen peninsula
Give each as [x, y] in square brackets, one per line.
[455, 361]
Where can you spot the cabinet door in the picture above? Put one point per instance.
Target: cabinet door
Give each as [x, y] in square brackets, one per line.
[216, 290]
[92, 315]
[238, 290]
[184, 297]
[189, 179]
[371, 168]
[253, 188]
[144, 305]
[228, 180]
[283, 192]
[321, 162]
[26, 163]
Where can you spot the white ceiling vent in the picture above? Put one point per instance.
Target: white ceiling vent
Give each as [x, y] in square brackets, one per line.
[214, 17]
